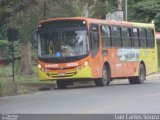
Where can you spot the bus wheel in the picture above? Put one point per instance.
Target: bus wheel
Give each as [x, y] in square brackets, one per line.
[61, 84]
[132, 80]
[142, 75]
[105, 80]
[140, 78]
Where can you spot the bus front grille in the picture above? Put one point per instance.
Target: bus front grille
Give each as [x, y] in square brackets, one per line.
[59, 75]
[62, 68]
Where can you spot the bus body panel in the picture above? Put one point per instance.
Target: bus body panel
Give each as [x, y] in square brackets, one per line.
[83, 73]
[119, 66]
[76, 69]
[123, 62]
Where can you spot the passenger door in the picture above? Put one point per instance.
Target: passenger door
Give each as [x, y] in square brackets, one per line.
[95, 46]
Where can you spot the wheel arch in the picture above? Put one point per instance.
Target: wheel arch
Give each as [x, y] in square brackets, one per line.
[143, 63]
[108, 66]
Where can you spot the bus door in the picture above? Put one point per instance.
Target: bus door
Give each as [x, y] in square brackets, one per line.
[95, 46]
[108, 53]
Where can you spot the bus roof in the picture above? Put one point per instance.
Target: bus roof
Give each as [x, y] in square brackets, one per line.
[102, 21]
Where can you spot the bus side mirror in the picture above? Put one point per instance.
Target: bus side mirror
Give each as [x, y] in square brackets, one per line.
[34, 40]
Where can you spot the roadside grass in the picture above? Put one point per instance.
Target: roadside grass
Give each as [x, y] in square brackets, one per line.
[23, 84]
[7, 87]
[6, 84]
[29, 79]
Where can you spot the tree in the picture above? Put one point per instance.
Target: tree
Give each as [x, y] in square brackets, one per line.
[25, 14]
[5, 12]
[103, 7]
[157, 21]
[9, 8]
[97, 8]
[145, 11]
[57, 8]
[26, 21]
[12, 12]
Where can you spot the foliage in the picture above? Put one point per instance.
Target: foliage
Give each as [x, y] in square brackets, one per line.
[3, 31]
[145, 11]
[72, 9]
[57, 8]
[6, 84]
[102, 8]
[157, 21]
[5, 50]
[25, 14]
[6, 87]
[98, 8]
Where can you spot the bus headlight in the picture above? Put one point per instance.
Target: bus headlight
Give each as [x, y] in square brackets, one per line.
[86, 63]
[39, 66]
[82, 66]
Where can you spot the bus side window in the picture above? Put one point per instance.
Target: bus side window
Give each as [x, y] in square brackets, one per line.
[115, 36]
[94, 36]
[126, 40]
[150, 38]
[105, 33]
[135, 38]
[44, 43]
[143, 40]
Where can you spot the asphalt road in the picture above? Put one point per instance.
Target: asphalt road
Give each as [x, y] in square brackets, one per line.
[120, 97]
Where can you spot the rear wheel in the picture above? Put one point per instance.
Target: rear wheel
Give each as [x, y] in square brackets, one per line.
[105, 80]
[142, 74]
[140, 78]
[61, 84]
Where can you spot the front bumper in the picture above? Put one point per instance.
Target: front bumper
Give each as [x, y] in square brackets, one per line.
[74, 74]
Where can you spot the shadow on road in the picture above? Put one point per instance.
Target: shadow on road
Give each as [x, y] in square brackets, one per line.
[114, 83]
[82, 85]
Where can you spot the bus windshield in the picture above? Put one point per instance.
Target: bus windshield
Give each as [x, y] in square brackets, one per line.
[63, 43]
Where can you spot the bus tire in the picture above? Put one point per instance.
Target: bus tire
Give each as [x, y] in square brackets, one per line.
[105, 80]
[141, 76]
[132, 80]
[61, 84]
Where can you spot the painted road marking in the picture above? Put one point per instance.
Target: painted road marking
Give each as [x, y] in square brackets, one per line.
[104, 107]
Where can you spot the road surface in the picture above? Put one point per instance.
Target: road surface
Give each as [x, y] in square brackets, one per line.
[120, 97]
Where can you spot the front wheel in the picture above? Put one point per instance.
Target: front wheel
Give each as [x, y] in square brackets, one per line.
[61, 84]
[105, 80]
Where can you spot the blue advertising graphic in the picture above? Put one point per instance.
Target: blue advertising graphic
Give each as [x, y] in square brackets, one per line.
[128, 54]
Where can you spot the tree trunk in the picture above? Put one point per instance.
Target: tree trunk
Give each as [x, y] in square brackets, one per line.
[26, 62]
[85, 10]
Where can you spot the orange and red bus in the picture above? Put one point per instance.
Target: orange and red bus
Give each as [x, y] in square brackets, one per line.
[73, 49]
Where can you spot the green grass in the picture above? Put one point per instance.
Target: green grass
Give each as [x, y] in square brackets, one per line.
[6, 83]
[31, 79]
[7, 87]
[6, 72]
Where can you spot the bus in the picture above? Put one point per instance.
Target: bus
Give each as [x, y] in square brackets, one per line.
[158, 47]
[77, 49]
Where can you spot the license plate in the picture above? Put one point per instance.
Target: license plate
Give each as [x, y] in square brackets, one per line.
[62, 74]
